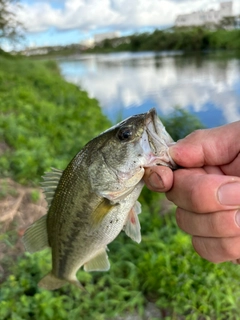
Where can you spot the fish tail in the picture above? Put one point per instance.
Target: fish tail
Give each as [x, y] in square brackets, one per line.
[51, 282]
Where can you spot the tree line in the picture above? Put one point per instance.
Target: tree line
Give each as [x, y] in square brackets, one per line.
[186, 39]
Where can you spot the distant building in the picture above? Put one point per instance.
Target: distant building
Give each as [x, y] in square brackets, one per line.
[72, 48]
[107, 35]
[88, 43]
[208, 17]
[35, 51]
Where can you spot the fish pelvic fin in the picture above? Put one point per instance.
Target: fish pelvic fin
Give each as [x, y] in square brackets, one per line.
[132, 226]
[51, 282]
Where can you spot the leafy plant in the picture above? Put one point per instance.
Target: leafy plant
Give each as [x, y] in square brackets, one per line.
[44, 120]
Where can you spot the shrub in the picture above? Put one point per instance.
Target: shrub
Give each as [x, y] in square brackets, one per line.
[44, 120]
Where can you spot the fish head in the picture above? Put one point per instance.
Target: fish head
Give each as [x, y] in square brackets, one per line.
[127, 148]
[138, 141]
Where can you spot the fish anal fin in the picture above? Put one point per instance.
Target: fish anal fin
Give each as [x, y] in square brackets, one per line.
[35, 237]
[98, 263]
[49, 186]
[132, 227]
[51, 282]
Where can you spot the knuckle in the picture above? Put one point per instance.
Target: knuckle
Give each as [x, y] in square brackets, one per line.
[199, 246]
[201, 195]
[196, 201]
[229, 249]
[216, 225]
[206, 251]
[195, 134]
[217, 250]
[183, 220]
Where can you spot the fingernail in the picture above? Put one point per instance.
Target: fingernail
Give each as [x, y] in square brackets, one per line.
[237, 218]
[156, 181]
[229, 194]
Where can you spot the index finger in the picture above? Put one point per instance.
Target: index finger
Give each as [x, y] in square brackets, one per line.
[217, 147]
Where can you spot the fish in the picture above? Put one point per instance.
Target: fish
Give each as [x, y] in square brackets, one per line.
[95, 198]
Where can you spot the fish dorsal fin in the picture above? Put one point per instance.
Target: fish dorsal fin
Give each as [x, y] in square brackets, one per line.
[132, 225]
[99, 262]
[35, 237]
[49, 186]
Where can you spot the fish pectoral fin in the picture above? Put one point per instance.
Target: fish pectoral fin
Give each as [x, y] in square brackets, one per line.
[132, 226]
[98, 263]
[35, 237]
[103, 208]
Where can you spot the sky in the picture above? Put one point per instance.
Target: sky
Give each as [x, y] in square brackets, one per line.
[61, 22]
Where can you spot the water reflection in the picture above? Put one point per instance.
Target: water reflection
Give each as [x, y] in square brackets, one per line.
[127, 83]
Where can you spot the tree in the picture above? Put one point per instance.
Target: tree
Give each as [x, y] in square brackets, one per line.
[228, 22]
[10, 27]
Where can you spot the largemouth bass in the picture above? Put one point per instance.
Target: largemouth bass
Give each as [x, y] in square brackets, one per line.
[95, 197]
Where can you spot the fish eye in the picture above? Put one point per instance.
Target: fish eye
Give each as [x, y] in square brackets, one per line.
[125, 134]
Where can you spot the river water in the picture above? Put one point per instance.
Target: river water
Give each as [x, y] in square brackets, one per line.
[130, 83]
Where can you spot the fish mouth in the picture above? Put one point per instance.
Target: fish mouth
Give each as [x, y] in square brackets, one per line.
[158, 140]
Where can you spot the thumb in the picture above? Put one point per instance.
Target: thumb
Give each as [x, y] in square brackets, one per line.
[217, 146]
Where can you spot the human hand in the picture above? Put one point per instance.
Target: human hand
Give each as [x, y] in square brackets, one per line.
[206, 191]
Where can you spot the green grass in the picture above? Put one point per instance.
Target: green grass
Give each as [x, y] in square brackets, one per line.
[44, 120]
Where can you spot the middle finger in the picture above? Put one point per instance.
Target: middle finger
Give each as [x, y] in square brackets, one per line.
[196, 191]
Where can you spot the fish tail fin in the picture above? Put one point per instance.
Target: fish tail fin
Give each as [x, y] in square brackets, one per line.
[51, 282]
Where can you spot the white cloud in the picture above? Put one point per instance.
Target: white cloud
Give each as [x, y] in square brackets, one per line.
[38, 17]
[94, 14]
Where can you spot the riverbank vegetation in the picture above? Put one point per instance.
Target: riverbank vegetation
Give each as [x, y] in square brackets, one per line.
[185, 39]
[196, 39]
[44, 121]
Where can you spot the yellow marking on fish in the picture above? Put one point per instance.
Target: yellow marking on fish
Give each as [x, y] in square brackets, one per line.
[102, 210]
